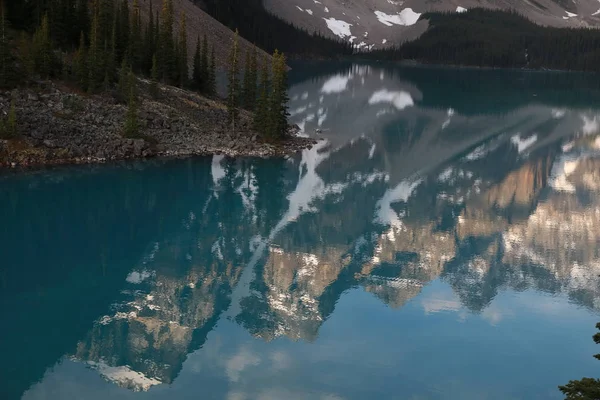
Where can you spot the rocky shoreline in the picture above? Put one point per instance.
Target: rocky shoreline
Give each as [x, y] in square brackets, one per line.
[58, 125]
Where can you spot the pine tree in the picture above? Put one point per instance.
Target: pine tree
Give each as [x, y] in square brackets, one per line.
[586, 388]
[233, 88]
[246, 86]
[124, 81]
[261, 112]
[149, 42]
[197, 72]
[11, 123]
[94, 55]
[111, 59]
[253, 77]
[6, 62]
[154, 76]
[167, 63]
[204, 65]
[42, 49]
[132, 127]
[278, 109]
[212, 75]
[82, 22]
[183, 53]
[123, 29]
[80, 64]
[106, 16]
[135, 38]
[250, 80]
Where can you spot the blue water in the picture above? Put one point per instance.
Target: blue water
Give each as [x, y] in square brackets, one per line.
[440, 242]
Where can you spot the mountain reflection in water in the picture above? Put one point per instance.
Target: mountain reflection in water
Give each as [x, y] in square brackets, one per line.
[433, 191]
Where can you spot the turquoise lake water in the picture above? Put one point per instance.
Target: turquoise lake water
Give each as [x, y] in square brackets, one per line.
[440, 242]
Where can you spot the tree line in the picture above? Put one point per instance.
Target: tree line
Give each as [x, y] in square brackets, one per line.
[265, 95]
[493, 38]
[270, 32]
[103, 46]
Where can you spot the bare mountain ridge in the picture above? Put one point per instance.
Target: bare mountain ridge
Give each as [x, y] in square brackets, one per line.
[380, 23]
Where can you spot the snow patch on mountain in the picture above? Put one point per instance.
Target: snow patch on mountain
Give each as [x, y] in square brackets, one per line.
[338, 27]
[406, 17]
[460, 9]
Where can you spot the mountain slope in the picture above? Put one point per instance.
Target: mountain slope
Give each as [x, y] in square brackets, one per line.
[199, 23]
[380, 23]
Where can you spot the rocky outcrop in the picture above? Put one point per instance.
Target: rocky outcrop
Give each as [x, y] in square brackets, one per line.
[57, 125]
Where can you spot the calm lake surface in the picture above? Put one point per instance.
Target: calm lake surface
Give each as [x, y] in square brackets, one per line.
[440, 242]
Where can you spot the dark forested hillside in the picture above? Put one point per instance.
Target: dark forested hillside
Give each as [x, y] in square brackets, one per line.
[488, 38]
[270, 32]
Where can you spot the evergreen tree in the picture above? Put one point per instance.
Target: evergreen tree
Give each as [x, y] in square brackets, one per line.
[135, 38]
[204, 65]
[149, 42]
[106, 16]
[42, 49]
[167, 63]
[253, 77]
[212, 75]
[246, 86]
[261, 112]
[6, 61]
[586, 388]
[132, 127]
[123, 29]
[111, 59]
[124, 82]
[250, 80]
[197, 71]
[154, 77]
[233, 88]
[183, 53]
[278, 100]
[8, 127]
[80, 64]
[82, 22]
[95, 72]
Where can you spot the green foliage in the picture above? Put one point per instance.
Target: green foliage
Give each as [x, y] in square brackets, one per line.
[270, 32]
[167, 62]
[149, 50]
[95, 56]
[212, 74]
[278, 109]
[204, 67]
[250, 80]
[233, 84]
[82, 12]
[261, 112]
[132, 127]
[124, 89]
[135, 49]
[586, 388]
[80, 64]
[8, 127]
[154, 81]
[182, 55]
[7, 64]
[197, 68]
[493, 38]
[43, 57]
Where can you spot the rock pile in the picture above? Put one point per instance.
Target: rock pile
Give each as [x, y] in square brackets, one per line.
[58, 125]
